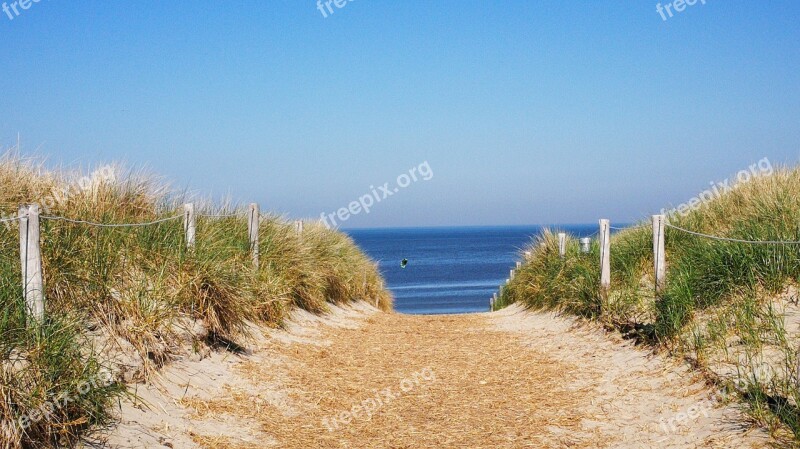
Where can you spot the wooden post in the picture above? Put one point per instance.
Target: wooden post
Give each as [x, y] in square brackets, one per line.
[562, 244]
[511, 275]
[519, 265]
[253, 221]
[659, 255]
[31, 259]
[797, 356]
[189, 224]
[605, 254]
[298, 226]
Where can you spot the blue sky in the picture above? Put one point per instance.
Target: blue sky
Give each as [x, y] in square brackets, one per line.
[527, 112]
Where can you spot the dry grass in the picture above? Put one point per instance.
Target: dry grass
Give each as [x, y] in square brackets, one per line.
[222, 443]
[139, 287]
[472, 402]
[719, 300]
[507, 380]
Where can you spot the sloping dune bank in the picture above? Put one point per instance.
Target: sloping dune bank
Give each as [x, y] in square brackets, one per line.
[727, 296]
[125, 276]
[361, 378]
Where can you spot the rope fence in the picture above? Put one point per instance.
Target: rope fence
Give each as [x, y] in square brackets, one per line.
[109, 225]
[727, 239]
[659, 224]
[30, 244]
[235, 214]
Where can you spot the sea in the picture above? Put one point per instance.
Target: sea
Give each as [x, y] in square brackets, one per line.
[449, 270]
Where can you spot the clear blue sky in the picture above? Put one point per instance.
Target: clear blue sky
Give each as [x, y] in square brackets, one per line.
[526, 111]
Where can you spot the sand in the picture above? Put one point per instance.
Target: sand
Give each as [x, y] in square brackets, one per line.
[360, 378]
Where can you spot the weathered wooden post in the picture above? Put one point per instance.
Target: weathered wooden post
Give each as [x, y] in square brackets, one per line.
[562, 244]
[253, 221]
[31, 260]
[659, 255]
[189, 226]
[797, 372]
[298, 226]
[605, 254]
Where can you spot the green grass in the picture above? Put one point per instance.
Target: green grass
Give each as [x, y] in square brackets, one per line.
[723, 304]
[142, 287]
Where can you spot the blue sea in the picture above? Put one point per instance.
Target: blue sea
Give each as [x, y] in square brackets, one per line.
[449, 270]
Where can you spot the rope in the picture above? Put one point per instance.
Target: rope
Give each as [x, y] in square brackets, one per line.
[115, 225]
[236, 214]
[628, 227]
[6, 220]
[726, 239]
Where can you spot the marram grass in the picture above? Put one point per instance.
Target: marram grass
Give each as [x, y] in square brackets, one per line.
[142, 287]
[727, 306]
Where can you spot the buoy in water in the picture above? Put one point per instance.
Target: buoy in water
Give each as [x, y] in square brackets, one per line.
[404, 263]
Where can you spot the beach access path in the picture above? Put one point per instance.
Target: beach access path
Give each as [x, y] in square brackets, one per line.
[360, 378]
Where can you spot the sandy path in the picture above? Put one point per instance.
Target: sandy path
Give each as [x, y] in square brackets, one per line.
[364, 379]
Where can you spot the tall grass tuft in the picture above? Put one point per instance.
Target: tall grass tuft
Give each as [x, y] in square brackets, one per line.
[729, 306]
[127, 300]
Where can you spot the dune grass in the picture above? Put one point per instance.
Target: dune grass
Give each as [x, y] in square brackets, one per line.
[140, 293]
[731, 308]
